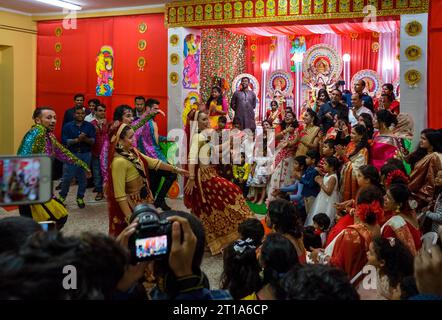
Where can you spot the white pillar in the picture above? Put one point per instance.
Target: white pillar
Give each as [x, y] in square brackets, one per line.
[414, 99]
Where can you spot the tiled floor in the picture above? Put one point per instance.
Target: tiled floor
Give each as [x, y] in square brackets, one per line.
[94, 218]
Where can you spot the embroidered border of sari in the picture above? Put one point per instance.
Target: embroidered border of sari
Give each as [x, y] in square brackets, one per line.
[400, 228]
[349, 183]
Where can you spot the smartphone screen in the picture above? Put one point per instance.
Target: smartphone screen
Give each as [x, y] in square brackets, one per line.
[151, 247]
[25, 180]
[47, 225]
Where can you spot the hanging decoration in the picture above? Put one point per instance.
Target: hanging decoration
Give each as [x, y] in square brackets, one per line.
[413, 77]
[280, 88]
[321, 65]
[375, 46]
[58, 31]
[190, 13]
[57, 64]
[413, 28]
[354, 36]
[105, 72]
[142, 44]
[142, 27]
[174, 59]
[57, 47]
[413, 52]
[141, 63]
[191, 102]
[222, 58]
[173, 77]
[191, 53]
[174, 40]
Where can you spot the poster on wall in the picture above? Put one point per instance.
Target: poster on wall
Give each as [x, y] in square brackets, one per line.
[105, 72]
[192, 54]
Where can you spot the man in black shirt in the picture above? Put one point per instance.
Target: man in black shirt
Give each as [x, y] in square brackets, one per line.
[330, 109]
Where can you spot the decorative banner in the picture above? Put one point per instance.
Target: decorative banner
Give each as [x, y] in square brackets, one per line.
[191, 53]
[142, 27]
[105, 72]
[298, 47]
[142, 44]
[373, 82]
[195, 13]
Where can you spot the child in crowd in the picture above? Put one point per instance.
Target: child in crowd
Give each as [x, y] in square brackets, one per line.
[241, 174]
[251, 229]
[321, 223]
[240, 269]
[300, 166]
[435, 215]
[311, 238]
[327, 150]
[329, 194]
[393, 262]
[310, 187]
[258, 179]
[222, 124]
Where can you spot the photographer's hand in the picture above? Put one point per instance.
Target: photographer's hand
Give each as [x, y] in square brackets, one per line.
[181, 254]
[123, 237]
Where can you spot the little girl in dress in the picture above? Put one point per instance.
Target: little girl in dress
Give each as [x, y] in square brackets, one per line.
[329, 194]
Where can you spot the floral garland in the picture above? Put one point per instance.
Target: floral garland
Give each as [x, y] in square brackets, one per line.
[365, 209]
[395, 174]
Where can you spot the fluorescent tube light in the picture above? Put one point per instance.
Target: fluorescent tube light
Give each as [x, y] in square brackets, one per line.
[61, 4]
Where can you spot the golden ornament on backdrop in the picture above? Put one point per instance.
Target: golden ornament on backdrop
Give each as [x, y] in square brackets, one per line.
[141, 63]
[413, 28]
[413, 53]
[57, 64]
[375, 34]
[58, 31]
[375, 46]
[142, 44]
[412, 77]
[58, 47]
[398, 57]
[174, 59]
[253, 47]
[174, 40]
[354, 35]
[173, 77]
[272, 47]
[142, 27]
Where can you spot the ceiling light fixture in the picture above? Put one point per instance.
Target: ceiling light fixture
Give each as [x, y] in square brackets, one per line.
[61, 4]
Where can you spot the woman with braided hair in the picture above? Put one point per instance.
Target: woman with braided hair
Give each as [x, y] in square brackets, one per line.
[128, 179]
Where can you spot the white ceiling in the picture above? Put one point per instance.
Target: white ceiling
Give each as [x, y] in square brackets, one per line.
[36, 7]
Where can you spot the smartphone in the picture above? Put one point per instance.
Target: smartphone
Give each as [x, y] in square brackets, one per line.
[48, 225]
[25, 180]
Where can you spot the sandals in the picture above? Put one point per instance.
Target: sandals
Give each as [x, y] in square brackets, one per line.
[99, 196]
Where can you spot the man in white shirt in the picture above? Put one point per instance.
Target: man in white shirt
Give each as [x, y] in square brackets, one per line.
[92, 104]
[357, 109]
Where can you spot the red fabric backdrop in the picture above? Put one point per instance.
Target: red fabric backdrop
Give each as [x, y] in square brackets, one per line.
[434, 64]
[79, 50]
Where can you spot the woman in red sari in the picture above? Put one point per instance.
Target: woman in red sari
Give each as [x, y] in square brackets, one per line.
[354, 156]
[348, 251]
[217, 202]
[403, 225]
[425, 162]
[128, 179]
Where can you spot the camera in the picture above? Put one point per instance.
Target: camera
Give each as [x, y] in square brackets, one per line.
[152, 239]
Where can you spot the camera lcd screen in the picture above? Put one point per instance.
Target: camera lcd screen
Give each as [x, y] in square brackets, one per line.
[151, 247]
[19, 180]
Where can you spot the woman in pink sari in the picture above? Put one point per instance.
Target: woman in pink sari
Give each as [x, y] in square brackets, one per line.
[386, 144]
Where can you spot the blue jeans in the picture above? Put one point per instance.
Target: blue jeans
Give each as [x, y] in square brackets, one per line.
[98, 179]
[72, 171]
